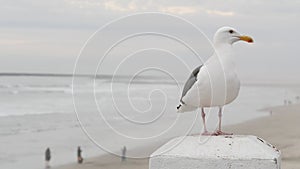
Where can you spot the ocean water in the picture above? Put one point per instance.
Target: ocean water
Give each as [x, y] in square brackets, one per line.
[104, 114]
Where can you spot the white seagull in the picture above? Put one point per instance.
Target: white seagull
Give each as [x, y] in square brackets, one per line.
[215, 83]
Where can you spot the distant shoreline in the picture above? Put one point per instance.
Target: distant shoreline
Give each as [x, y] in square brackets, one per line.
[145, 77]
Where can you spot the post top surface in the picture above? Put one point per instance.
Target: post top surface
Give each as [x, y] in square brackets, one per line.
[226, 147]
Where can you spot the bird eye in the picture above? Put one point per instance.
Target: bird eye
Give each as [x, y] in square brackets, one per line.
[231, 31]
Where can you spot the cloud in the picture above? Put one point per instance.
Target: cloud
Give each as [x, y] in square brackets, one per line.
[83, 3]
[141, 6]
[14, 42]
[114, 6]
[144, 5]
[220, 13]
[47, 30]
[179, 9]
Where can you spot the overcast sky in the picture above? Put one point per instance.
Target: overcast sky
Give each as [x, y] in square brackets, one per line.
[46, 36]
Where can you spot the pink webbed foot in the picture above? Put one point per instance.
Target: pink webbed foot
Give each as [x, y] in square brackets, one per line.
[206, 133]
[219, 132]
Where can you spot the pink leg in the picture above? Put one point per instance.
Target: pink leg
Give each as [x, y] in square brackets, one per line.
[205, 132]
[219, 131]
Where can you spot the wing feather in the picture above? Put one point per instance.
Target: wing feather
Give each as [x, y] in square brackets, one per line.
[190, 82]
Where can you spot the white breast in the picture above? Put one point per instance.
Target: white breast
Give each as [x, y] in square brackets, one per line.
[217, 85]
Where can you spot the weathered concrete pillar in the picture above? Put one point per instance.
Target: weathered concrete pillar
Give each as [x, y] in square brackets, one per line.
[216, 152]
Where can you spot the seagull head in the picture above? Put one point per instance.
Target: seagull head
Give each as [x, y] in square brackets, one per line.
[228, 35]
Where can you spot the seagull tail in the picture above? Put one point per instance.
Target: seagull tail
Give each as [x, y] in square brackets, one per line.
[181, 108]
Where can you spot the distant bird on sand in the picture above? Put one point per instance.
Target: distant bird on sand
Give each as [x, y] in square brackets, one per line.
[215, 83]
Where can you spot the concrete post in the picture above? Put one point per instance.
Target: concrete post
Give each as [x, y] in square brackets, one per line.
[216, 152]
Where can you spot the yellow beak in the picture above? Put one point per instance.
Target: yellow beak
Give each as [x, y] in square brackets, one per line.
[246, 39]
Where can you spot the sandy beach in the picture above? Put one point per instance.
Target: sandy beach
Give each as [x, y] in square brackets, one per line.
[280, 129]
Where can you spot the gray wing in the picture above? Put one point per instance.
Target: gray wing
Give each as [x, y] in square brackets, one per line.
[190, 82]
